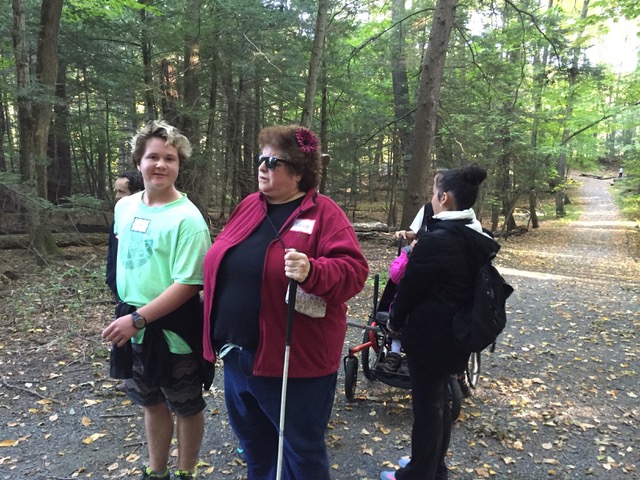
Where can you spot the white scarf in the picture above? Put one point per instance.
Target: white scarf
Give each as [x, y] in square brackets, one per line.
[467, 214]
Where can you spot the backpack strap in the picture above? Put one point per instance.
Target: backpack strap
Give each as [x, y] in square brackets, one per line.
[426, 219]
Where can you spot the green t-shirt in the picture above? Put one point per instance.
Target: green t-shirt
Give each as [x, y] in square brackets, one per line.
[158, 246]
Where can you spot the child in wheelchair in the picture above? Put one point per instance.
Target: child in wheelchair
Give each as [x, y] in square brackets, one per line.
[394, 362]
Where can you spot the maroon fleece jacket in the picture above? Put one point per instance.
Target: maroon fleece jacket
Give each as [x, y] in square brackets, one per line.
[321, 230]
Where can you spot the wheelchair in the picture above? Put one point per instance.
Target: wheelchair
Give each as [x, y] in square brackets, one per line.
[376, 344]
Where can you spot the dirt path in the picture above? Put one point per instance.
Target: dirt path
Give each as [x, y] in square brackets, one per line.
[558, 398]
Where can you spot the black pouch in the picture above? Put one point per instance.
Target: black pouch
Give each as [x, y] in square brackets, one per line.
[121, 358]
[208, 372]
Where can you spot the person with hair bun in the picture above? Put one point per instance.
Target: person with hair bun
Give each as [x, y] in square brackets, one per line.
[438, 281]
[285, 231]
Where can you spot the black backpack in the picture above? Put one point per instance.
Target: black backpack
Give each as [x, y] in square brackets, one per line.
[477, 327]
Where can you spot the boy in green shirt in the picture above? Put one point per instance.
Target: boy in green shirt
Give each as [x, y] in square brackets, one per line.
[162, 240]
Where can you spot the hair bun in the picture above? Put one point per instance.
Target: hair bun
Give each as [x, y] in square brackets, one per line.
[474, 174]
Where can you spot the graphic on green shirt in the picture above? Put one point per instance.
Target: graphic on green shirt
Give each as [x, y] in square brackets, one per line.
[139, 252]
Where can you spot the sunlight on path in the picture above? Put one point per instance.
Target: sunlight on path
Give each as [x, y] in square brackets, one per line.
[604, 223]
[551, 276]
[597, 248]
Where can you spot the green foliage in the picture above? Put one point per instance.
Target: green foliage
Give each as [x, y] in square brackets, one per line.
[80, 10]
[627, 190]
[383, 278]
[507, 100]
[572, 214]
[81, 203]
[629, 203]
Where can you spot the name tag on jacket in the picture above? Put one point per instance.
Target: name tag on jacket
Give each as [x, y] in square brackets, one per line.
[303, 225]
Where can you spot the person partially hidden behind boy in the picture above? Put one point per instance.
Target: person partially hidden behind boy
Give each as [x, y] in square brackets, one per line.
[156, 336]
[126, 184]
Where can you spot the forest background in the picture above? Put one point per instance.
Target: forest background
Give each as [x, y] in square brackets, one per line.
[396, 89]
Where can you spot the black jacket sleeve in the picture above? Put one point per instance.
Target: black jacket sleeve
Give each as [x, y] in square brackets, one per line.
[441, 269]
[112, 256]
[428, 267]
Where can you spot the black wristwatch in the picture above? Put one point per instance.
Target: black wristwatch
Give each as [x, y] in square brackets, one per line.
[138, 320]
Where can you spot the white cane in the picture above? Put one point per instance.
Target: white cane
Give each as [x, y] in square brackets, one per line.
[293, 287]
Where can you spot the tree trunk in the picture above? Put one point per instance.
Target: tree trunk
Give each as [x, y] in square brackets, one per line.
[533, 205]
[427, 108]
[249, 135]
[505, 187]
[211, 120]
[314, 64]
[195, 174]
[3, 132]
[101, 166]
[561, 163]
[235, 146]
[393, 169]
[402, 106]
[324, 129]
[23, 80]
[191, 86]
[150, 107]
[540, 78]
[170, 95]
[35, 117]
[233, 143]
[59, 182]
[374, 176]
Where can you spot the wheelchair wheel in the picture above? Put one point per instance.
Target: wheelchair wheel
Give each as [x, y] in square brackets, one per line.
[350, 377]
[370, 355]
[473, 369]
[455, 397]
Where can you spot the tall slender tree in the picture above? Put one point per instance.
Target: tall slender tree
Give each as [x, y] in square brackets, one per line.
[401, 101]
[314, 64]
[35, 113]
[431, 77]
[561, 162]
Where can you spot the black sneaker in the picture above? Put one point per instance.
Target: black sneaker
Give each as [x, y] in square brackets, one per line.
[391, 363]
[148, 474]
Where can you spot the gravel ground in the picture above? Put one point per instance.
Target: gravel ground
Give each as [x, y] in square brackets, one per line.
[558, 398]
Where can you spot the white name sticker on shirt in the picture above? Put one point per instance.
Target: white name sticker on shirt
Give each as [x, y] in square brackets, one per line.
[303, 225]
[140, 225]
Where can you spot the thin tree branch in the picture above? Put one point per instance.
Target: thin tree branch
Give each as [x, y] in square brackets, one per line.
[535, 24]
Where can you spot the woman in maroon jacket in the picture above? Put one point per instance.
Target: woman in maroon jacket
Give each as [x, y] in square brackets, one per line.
[285, 231]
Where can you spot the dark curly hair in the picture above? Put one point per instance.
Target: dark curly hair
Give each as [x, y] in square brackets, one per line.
[285, 138]
[135, 180]
[462, 183]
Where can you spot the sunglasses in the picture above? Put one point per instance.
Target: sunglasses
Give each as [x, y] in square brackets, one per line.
[272, 162]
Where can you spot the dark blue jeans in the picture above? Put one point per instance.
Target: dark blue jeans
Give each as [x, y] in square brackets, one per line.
[431, 430]
[253, 405]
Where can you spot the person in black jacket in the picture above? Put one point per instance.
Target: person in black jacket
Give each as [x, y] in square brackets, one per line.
[126, 184]
[438, 280]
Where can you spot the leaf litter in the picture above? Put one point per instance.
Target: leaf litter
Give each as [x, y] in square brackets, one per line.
[557, 399]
